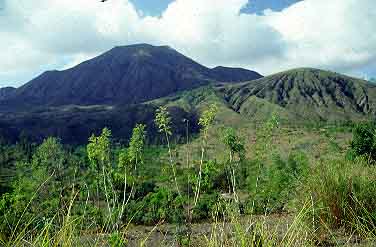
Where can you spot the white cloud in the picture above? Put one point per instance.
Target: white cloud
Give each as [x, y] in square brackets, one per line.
[49, 34]
[214, 32]
[333, 34]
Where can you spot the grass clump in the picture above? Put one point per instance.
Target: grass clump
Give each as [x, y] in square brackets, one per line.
[342, 194]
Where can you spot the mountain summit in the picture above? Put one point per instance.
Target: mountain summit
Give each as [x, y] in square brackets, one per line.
[123, 75]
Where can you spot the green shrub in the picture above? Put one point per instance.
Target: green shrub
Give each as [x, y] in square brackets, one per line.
[276, 183]
[209, 175]
[160, 205]
[364, 141]
[204, 207]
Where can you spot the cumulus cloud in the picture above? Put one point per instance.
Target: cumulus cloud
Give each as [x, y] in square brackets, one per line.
[214, 32]
[334, 34]
[53, 34]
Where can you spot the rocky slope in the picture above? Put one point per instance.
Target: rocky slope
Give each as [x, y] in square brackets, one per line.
[310, 94]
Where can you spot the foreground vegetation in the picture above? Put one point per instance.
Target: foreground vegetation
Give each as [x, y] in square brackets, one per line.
[250, 194]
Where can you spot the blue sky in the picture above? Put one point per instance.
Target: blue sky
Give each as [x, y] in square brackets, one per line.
[151, 7]
[336, 35]
[156, 7]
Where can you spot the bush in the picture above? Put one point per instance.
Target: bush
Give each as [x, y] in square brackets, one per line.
[364, 141]
[157, 206]
[204, 207]
[276, 183]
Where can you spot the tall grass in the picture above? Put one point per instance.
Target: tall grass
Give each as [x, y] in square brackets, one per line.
[339, 194]
[343, 196]
[230, 228]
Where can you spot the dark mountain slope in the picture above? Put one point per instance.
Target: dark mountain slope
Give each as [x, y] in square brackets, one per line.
[74, 124]
[6, 92]
[225, 74]
[308, 93]
[123, 75]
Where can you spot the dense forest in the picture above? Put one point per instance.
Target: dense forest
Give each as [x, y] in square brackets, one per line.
[210, 187]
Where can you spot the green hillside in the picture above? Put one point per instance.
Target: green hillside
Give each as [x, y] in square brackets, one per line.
[307, 94]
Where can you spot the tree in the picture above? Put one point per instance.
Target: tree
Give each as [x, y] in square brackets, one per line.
[99, 154]
[133, 156]
[163, 122]
[49, 155]
[41, 188]
[206, 120]
[235, 146]
[137, 143]
[99, 149]
[233, 142]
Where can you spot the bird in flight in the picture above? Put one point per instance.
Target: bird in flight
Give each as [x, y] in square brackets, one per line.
[103, 1]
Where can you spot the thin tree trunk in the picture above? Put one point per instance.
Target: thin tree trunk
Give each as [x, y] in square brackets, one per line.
[234, 185]
[233, 180]
[105, 189]
[135, 169]
[172, 164]
[200, 174]
[189, 217]
[124, 192]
